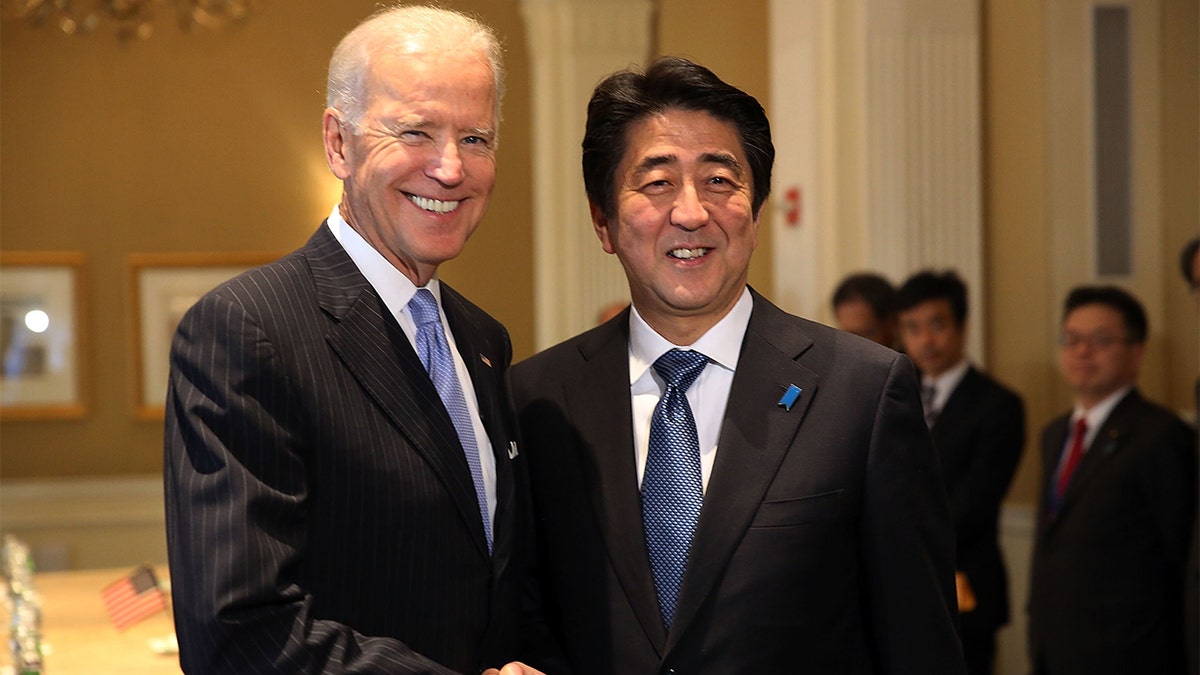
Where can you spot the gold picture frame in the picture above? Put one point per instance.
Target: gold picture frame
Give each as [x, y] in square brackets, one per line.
[163, 286]
[42, 346]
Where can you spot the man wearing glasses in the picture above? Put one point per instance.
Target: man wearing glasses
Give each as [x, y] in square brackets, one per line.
[1117, 504]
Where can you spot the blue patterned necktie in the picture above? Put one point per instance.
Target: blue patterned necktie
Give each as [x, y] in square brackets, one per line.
[435, 356]
[671, 490]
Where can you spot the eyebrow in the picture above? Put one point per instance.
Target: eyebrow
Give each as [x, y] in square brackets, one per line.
[421, 123]
[722, 158]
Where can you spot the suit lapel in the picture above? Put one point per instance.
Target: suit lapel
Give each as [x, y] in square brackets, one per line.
[377, 353]
[600, 405]
[1108, 440]
[756, 434]
[484, 361]
[960, 403]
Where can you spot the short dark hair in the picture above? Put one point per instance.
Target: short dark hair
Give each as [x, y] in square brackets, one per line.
[928, 285]
[670, 83]
[869, 287]
[1132, 313]
[1186, 256]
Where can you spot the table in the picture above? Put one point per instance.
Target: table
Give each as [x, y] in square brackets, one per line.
[79, 639]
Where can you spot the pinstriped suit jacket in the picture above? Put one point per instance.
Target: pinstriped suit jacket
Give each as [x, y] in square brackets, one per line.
[320, 512]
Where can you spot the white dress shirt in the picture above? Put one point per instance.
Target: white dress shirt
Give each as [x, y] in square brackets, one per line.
[707, 396]
[1096, 417]
[396, 290]
[943, 385]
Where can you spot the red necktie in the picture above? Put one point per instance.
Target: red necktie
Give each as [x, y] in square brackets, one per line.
[1073, 457]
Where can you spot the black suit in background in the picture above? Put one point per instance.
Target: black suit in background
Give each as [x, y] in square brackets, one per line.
[824, 543]
[320, 513]
[1106, 592]
[979, 435]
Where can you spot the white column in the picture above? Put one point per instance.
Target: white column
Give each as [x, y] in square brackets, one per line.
[573, 44]
[876, 113]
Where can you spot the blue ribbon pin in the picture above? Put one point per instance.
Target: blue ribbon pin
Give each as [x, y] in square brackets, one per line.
[789, 397]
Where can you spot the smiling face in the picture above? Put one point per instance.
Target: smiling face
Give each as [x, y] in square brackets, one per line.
[418, 172]
[684, 228]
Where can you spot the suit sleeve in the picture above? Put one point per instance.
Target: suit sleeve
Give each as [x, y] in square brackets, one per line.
[907, 540]
[236, 495]
[975, 497]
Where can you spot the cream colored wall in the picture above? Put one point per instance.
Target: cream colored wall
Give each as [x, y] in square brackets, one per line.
[201, 142]
[1022, 314]
[1181, 192]
[1016, 233]
[209, 142]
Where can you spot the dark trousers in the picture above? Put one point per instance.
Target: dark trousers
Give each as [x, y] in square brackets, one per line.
[979, 644]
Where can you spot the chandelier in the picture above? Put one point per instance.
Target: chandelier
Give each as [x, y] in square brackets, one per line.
[132, 18]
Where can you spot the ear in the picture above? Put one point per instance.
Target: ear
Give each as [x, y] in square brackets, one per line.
[601, 225]
[336, 143]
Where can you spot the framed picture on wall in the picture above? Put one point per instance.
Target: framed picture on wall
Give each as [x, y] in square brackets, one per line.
[41, 339]
[163, 287]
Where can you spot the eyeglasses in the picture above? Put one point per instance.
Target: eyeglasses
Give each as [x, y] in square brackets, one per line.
[1097, 341]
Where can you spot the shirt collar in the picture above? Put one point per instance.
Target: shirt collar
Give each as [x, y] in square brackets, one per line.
[391, 284]
[1099, 412]
[721, 344]
[945, 383]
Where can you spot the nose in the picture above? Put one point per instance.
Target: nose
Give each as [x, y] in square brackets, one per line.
[446, 166]
[688, 211]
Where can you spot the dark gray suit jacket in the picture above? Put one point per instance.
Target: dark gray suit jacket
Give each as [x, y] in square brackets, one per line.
[824, 543]
[979, 435]
[320, 513]
[1106, 591]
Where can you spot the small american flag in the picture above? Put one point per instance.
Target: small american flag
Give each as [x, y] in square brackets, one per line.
[133, 598]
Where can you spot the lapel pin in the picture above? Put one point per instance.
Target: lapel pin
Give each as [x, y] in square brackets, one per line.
[789, 397]
[486, 361]
[512, 450]
[1110, 444]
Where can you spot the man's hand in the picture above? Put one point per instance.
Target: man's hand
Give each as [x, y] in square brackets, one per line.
[514, 668]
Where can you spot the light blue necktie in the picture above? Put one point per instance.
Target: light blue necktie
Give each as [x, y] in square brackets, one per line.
[435, 356]
[671, 490]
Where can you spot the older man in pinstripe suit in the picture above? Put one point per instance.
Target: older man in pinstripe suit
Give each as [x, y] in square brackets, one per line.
[344, 491]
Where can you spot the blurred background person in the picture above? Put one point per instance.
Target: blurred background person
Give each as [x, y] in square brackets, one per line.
[1189, 265]
[864, 304]
[978, 429]
[1117, 506]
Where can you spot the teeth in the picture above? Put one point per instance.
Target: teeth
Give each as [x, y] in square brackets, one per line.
[688, 253]
[435, 205]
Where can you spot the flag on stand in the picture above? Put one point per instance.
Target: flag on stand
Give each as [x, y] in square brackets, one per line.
[133, 598]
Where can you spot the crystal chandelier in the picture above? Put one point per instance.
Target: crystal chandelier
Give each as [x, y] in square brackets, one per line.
[133, 18]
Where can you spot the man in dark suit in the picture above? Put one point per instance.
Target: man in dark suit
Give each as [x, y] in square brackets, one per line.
[1117, 504]
[721, 487]
[342, 484]
[978, 428]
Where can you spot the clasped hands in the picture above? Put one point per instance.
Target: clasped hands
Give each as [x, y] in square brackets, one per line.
[514, 668]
